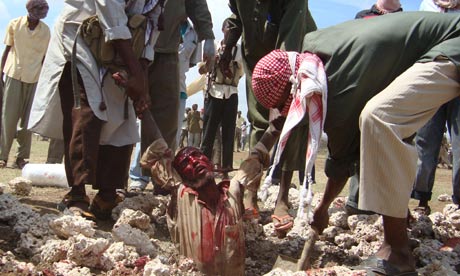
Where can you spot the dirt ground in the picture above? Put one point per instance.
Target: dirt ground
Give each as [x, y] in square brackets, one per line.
[45, 199]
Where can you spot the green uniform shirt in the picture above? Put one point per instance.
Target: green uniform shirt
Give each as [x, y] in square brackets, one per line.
[264, 28]
[362, 57]
[174, 13]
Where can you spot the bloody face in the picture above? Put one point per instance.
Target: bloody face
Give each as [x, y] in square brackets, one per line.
[192, 165]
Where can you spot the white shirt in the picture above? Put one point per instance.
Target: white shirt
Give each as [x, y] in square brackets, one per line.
[222, 91]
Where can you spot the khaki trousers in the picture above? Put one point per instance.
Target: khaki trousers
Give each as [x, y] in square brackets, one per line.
[389, 119]
[17, 101]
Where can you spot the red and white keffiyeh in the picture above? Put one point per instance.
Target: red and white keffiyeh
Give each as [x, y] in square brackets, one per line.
[309, 95]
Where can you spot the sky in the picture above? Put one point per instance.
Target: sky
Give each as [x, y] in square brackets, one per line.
[325, 12]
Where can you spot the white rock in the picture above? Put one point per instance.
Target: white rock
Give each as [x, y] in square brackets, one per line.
[156, 268]
[143, 202]
[10, 266]
[54, 251]
[345, 240]
[68, 226]
[449, 208]
[20, 186]
[444, 198]
[364, 249]
[339, 219]
[331, 232]
[86, 251]
[136, 219]
[2, 188]
[134, 237]
[69, 268]
[454, 219]
[119, 252]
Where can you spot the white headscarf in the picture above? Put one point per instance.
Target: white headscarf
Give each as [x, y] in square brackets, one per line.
[448, 4]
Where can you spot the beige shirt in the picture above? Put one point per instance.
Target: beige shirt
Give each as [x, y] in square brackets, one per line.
[28, 49]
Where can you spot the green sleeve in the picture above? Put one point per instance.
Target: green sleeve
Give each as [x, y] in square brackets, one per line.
[199, 13]
[295, 22]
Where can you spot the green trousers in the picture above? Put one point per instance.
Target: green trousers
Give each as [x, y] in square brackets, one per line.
[17, 101]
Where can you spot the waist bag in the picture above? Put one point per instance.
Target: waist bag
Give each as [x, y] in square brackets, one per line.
[103, 51]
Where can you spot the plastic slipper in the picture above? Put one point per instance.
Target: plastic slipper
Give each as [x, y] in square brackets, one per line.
[383, 267]
[284, 222]
[251, 213]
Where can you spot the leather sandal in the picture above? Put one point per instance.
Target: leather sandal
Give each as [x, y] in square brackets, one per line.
[282, 224]
[78, 205]
[102, 209]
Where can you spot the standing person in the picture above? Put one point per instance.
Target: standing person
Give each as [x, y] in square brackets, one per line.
[381, 7]
[428, 140]
[244, 135]
[386, 105]
[221, 103]
[98, 121]
[26, 40]
[238, 125]
[193, 126]
[189, 56]
[164, 71]
[184, 129]
[264, 26]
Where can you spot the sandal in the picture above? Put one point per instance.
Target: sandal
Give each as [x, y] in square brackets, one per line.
[423, 210]
[2, 164]
[103, 209]
[283, 225]
[251, 213]
[20, 163]
[77, 205]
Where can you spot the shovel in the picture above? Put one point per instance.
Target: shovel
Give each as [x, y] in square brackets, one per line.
[288, 263]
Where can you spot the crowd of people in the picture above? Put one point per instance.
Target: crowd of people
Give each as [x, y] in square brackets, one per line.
[111, 76]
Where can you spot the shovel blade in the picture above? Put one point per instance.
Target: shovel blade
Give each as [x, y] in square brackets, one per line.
[285, 263]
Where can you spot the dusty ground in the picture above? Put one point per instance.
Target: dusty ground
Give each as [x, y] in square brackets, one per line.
[261, 253]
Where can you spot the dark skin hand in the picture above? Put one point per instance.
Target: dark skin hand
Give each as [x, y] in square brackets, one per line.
[135, 81]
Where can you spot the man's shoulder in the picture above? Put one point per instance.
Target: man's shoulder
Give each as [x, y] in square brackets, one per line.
[17, 20]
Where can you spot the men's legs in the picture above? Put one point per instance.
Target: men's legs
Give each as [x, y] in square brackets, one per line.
[164, 93]
[138, 181]
[24, 136]
[55, 151]
[212, 117]
[81, 130]
[454, 127]
[428, 142]
[11, 112]
[228, 130]
[386, 121]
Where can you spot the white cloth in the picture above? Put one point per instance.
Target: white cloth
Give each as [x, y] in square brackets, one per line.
[309, 88]
[222, 91]
[189, 52]
[46, 115]
[429, 5]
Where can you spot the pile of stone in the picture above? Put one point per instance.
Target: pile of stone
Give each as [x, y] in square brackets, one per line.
[139, 244]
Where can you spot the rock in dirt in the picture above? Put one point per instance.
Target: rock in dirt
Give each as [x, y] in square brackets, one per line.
[20, 186]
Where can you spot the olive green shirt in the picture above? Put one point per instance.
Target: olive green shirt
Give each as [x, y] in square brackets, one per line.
[362, 57]
[175, 12]
[264, 28]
